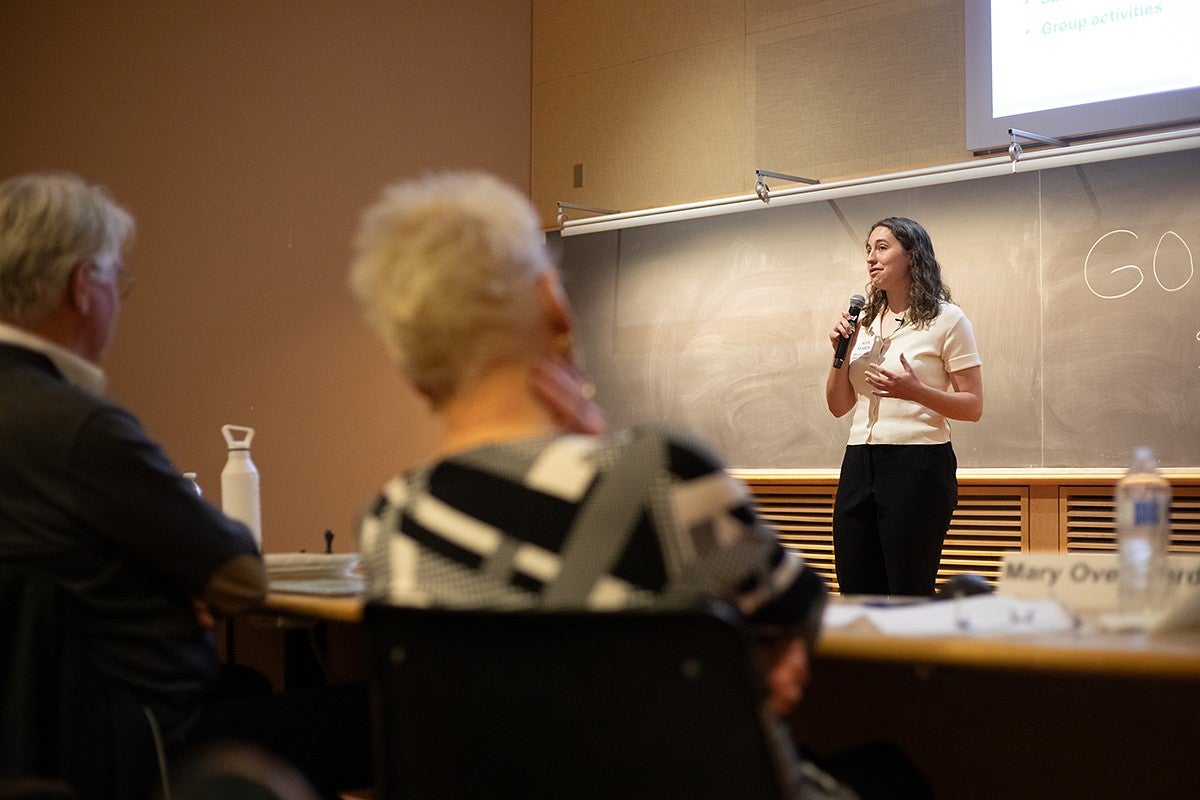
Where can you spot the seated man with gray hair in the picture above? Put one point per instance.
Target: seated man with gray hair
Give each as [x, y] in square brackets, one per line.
[133, 561]
[86, 498]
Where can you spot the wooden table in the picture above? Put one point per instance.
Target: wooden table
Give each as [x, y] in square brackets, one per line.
[1080, 653]
[1056, 716]
[317, 607]
[1062, 715]
[298, 640]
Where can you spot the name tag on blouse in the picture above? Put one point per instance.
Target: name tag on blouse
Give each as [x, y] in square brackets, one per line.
[864, 346]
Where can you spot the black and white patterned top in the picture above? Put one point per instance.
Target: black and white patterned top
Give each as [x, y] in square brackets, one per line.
[639, 520]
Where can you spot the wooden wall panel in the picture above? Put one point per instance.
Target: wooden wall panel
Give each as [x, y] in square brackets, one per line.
[671, 139]
[678, 102]
[1088, 519]
[995, 515]
[868, 91]
[577, 37]
[246, 138]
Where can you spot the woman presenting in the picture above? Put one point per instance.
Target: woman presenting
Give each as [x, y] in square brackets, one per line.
[914, 368]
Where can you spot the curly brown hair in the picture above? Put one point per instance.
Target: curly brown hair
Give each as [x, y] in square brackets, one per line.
[927, 289]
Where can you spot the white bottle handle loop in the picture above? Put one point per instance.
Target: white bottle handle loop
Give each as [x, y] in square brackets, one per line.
[234, 443]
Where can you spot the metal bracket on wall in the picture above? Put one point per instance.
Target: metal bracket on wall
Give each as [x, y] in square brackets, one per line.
[562, 210]
[764, 192]
[1014, 149]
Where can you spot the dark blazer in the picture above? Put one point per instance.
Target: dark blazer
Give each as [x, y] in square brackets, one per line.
[87, 498]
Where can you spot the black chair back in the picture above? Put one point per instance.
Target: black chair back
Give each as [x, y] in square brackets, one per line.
[59, 720]
[477, 704]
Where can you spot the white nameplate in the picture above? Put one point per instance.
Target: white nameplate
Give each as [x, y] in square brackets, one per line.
[1083, 581]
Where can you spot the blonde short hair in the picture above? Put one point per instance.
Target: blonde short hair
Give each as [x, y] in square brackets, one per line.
[445, 270]
[48, 224]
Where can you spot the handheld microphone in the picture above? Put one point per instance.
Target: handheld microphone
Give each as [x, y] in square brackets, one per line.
[856, 304]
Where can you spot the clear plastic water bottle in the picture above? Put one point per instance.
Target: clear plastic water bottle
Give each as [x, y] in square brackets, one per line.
[1143, 505]
[239, 481]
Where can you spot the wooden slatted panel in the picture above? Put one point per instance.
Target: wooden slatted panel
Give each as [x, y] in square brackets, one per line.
[1089, 519]
[803, 518]
[988, 523]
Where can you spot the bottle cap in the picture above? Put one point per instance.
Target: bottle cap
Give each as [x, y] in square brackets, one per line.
[1143, 459]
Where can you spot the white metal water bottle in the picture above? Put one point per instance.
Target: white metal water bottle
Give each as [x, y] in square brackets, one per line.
[239, 481]
[1143, 505]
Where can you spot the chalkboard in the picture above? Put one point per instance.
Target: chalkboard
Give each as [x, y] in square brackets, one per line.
[1080, 282]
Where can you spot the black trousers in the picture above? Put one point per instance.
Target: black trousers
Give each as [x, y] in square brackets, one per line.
[890, 517]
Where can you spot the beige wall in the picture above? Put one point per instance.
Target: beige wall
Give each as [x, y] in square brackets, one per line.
[681, 100]
[246, 137]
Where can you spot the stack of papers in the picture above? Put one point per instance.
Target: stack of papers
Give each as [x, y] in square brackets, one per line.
[983, 613]
[314, 573]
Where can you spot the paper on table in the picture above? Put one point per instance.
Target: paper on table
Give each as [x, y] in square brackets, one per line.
[330, 587]
[1183, 614]
[985, 613]
[309, 566]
